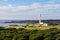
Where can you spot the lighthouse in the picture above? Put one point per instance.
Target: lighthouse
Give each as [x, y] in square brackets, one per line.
[40, 22]
[40, 19]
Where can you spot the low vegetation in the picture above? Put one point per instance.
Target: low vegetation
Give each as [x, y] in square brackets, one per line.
[30, 32]
[36, 26]
[23, 34]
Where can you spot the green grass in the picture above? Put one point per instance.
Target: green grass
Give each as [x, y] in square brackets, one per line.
[42, 28]
[35, 26]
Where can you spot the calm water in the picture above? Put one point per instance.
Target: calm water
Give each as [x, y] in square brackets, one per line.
[7, 24]
[15, 22]
[11, 22]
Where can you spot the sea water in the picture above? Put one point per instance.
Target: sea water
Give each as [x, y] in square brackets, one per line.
[7, 24]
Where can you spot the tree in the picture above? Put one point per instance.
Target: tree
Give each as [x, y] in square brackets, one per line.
[58, 38]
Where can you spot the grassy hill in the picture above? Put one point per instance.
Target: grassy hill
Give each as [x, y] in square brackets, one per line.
[34, 26]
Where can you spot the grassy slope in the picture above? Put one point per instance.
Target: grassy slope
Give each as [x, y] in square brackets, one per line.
[34, 26]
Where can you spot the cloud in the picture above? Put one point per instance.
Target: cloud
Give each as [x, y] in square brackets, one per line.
[29, 12]
[9, 5]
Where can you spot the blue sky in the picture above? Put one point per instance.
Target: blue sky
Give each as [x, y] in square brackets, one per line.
[29, 9]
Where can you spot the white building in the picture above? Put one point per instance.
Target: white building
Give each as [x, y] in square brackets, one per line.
[43, 24]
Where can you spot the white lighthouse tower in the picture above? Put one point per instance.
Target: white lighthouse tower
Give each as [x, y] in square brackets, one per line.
[40, 19]
[40, 22]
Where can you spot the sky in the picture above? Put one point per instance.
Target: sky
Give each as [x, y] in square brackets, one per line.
[29, 9]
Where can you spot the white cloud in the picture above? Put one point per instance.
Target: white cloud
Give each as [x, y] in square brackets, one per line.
[20, 12]
[9, 5]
